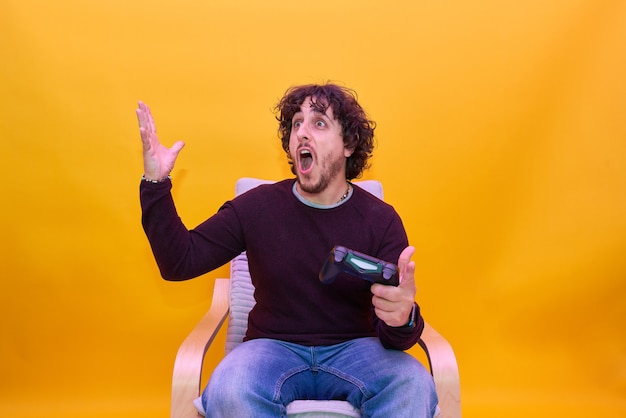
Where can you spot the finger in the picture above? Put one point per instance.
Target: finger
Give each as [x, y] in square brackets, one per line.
[380, 290]
[144, 108]
[149, 117]
[144, 115]
[147, 129]
[393, 314]
[382, 304]
[140, 117]
[148, 140]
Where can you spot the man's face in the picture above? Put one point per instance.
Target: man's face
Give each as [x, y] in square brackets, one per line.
[316, 148]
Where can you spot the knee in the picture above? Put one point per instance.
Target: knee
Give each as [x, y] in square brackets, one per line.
[221, 390]
[411, 375]
[232, 395]
[239, 384]
[416, 372]
[229, 382]
[414, 385]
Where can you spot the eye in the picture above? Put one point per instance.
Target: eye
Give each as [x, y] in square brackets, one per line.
[296, 124]
[320, 123]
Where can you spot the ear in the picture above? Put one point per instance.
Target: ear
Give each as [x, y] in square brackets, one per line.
[347, 152]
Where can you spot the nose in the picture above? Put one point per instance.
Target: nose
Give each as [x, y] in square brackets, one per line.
[302, 131]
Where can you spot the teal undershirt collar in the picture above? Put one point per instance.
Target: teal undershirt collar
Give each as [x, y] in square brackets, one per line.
[318, 206]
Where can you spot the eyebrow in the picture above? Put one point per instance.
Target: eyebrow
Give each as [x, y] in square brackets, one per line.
[316, 111]
[319, 112]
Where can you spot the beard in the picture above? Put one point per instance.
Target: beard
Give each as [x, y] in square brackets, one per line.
[329, 170]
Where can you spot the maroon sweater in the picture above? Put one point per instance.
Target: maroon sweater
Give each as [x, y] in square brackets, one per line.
[287, 242]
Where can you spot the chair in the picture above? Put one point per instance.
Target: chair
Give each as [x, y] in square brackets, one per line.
[235, 296]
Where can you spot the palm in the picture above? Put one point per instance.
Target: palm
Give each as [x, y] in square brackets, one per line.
[158, 160]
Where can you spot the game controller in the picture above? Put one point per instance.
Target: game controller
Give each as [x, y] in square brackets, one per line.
[363, 266]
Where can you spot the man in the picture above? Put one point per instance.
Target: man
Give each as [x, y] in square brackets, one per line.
[305, 339]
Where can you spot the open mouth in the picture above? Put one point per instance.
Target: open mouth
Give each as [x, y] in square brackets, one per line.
[305, 160]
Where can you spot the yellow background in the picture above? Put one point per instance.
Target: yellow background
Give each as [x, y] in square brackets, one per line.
[502, 143]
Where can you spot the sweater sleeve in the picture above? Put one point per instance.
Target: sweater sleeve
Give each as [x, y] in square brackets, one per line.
[180, 253]
[401, 338]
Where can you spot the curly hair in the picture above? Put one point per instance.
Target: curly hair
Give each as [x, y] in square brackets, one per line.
[356, 128]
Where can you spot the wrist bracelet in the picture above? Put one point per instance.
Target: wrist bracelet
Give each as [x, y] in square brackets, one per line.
[411, 323]
[143, 178]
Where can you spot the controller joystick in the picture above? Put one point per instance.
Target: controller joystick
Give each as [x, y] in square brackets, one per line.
[339, 254]
[389, 271]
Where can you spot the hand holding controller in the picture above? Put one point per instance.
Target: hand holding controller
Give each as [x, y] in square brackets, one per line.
[363, 266]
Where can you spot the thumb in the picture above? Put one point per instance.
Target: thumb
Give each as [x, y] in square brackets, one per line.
[405, 258]
[406, 267]
[407, 277]
[178, 145]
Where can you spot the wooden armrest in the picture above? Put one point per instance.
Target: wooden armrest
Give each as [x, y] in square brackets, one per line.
[190, 356]
[445, 371]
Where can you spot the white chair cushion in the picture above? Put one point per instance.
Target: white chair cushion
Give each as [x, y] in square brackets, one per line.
[321, 409]
[307, 409]
[313, 409]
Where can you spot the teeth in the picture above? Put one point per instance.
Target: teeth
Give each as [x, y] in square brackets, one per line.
[306, 160]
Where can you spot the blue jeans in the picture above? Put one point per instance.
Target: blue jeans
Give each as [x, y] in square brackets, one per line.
[260, 377]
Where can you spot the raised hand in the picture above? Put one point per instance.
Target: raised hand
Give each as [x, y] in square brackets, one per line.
[392, 304]
[158, 160]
